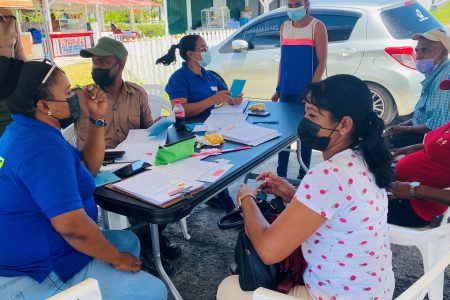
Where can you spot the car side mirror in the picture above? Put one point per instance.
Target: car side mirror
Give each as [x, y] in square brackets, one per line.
[239, 45]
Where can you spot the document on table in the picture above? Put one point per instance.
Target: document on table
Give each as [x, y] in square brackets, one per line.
[139, 146]
[225, 120]
[249, 134]
[195, 169]
[159, 126]
[157, 187]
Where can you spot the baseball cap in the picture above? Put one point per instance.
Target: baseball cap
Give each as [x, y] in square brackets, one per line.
[436, 35]
[445, 84]
[106, 47]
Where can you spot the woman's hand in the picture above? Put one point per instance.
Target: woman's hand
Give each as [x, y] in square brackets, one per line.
[275, 97]
[97, 101]
[399, 190]
[237, 100]
[247, 190]
[127, 262]
[276, 186]
[221, 97]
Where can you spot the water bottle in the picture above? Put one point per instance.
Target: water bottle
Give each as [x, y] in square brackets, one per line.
[180, 116]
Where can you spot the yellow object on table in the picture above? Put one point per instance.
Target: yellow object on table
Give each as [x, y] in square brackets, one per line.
[257, 107]
[214, 138]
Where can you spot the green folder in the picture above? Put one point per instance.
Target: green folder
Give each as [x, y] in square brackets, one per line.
[175, 152]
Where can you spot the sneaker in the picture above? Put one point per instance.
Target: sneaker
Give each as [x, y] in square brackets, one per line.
[148, 265]
[168, 249]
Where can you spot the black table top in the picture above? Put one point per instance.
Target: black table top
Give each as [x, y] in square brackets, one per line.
[288, 115]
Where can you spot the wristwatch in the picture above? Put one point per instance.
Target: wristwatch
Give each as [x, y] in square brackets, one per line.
[97, 122]
[239, 200]
[412, 189]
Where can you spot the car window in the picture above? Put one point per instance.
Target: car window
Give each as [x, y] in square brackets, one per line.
[339, 26]
[261, 36]
[404, 21]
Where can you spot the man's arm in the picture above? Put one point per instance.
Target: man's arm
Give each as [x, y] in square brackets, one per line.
[400, 190]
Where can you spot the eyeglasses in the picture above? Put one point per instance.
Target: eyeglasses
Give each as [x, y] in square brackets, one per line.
[47, 76]
[203, 49]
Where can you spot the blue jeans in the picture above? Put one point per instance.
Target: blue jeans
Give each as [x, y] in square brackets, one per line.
[306, 151]
[114, 285]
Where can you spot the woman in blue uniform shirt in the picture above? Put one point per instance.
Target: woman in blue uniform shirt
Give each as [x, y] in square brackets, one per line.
[48, 232]
[197, 89]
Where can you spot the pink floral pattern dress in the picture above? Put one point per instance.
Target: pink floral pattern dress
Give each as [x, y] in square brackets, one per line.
[349, 256]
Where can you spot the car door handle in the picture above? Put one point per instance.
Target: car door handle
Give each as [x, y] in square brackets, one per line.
[276, 58]
[347, 51]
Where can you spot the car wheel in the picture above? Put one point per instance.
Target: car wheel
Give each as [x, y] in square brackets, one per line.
[383, 103]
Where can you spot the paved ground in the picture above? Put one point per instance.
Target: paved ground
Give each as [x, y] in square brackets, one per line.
[207, 256]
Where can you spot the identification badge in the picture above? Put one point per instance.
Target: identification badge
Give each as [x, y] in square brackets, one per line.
[214, 89]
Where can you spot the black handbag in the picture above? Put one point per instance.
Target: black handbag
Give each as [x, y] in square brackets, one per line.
[253, 273]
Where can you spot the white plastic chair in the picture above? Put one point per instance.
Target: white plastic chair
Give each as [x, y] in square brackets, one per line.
[70, 135]
[154, 90]
[85, 290]
[160, 106]
[266, 294]
[423, 285]
[433, 244]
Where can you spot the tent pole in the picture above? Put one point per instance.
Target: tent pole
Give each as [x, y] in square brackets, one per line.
[166, 18]
[46, 20]
[132, 21]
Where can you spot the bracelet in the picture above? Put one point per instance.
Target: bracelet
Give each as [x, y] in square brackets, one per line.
[239, 200]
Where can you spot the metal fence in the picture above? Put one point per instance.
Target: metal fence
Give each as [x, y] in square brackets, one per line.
[143, 53]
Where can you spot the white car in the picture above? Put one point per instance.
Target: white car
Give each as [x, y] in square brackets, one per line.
[369, 39]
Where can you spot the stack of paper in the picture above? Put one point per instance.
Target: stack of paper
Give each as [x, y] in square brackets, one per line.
[156, 187]
[249, 134]
[139, 146]
[195, 169]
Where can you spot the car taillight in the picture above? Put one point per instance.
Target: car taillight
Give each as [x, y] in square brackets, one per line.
[403, 55]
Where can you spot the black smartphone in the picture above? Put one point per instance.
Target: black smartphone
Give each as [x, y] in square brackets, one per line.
[259, 113]
[131, 169]
[109, 155]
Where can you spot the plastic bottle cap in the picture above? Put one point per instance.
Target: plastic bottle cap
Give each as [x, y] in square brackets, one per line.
[177, 101]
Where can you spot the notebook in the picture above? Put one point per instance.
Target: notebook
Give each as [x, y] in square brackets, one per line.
[156, 187]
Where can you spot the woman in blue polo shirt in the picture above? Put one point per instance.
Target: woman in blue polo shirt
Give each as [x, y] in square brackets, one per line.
[197, 89]
[48, 233]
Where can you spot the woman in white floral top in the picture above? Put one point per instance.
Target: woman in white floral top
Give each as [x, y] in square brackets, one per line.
[339, 212]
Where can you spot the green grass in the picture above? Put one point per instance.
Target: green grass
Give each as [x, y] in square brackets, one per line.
[443, 14]
[79, 74]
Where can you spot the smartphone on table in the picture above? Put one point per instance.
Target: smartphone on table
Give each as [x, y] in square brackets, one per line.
[132, 169]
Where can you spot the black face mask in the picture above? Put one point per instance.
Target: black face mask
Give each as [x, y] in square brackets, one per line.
[307, 132]
[102, 77]
[75, 111]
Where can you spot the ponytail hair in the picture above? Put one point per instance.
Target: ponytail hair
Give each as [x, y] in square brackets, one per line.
[346, 95]
[187, 43]
[169, 58]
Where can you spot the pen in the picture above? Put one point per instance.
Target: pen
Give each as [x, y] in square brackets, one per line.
[219, 151]
[266, 122]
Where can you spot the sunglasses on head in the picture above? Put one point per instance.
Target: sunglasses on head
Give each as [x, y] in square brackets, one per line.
[47, 76]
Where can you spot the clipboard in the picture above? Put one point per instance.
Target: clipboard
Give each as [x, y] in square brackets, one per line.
[138, 188]
[165, 205]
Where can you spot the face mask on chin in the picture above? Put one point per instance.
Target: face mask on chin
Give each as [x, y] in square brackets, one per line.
[75, 111]
[307, 132]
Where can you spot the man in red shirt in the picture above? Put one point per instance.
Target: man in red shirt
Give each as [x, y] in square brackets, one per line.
[426, 165]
